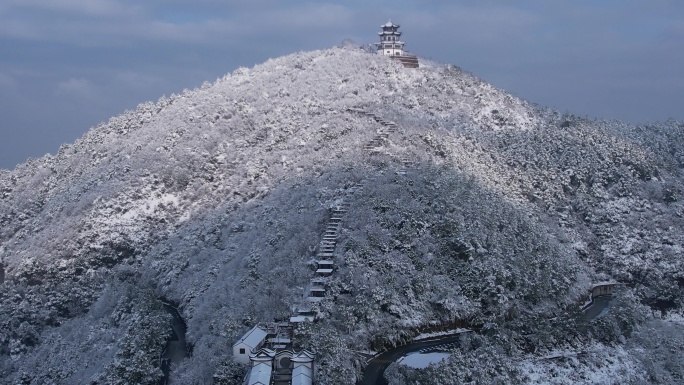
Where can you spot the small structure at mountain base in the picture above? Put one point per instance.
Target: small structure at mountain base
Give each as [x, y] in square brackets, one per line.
[303, 314]
[391, 45]
[282, 367]
[600, 298]
[302, 372]
[602, 289]
[251, 341]
[267, 348]
[260, 374]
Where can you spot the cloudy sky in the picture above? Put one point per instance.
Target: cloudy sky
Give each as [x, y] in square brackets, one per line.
[66, 65]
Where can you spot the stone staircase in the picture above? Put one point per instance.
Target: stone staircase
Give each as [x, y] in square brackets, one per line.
[324, 263]
[408, 61]
[382, 136]
[377, 145]
[325, 257]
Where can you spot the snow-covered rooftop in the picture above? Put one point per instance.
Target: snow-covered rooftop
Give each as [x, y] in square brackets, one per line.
[605, 283]
[301, 318]
[301, 375]
[260, 375]
[280, 340]
[253, 337]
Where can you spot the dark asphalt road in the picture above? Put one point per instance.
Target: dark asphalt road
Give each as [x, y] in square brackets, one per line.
[373, 374]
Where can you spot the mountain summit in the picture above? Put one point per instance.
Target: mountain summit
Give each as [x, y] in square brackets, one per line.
[478, 210]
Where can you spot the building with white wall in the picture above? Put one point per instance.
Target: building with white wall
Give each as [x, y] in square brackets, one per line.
[250, 342]
[390, 43]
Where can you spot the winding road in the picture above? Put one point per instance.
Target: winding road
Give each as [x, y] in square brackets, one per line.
[373, 374]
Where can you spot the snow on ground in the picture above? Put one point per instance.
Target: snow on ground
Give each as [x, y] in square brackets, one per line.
[601, 365]
[675, 318]
[425, 336]
[149, 206]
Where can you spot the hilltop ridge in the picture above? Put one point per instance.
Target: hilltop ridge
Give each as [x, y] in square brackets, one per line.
[215, 199]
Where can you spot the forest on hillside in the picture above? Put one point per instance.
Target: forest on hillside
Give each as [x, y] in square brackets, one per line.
[215, 200]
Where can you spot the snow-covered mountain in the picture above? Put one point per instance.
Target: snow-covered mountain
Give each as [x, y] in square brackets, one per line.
[481, 209]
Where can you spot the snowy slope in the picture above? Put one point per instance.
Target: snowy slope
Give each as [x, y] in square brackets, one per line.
[215, 199]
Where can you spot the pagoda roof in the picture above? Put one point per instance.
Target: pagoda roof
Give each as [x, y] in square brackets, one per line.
[389, 24]
[391, 42]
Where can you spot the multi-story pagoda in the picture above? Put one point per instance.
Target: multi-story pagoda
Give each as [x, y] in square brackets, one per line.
[390, 45]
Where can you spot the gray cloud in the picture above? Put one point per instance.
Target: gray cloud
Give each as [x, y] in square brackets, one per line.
[92, 8]
[6, 80]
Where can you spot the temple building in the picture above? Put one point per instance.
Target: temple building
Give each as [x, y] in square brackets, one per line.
[267, 348]
[284, 367]
[391, 45]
